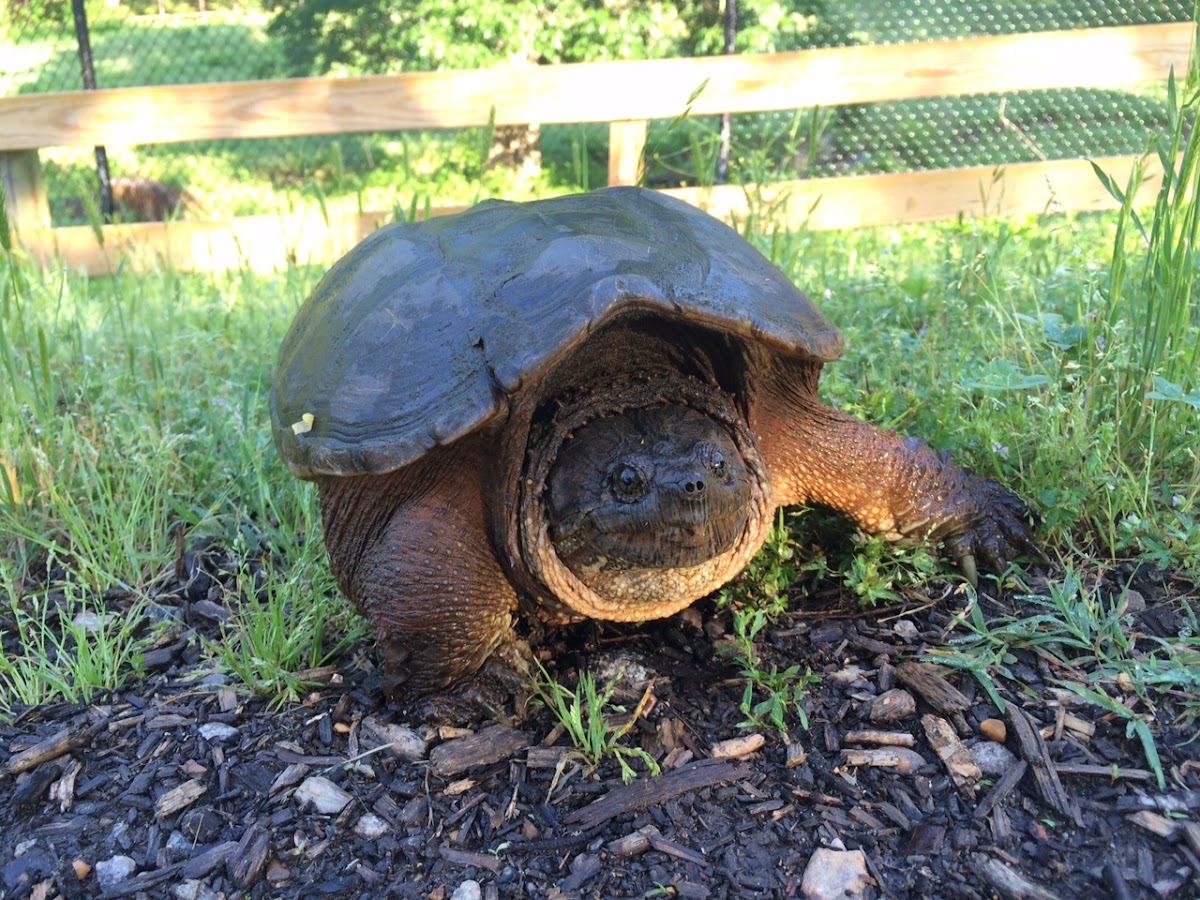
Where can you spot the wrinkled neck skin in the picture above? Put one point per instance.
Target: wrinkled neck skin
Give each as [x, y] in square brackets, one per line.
[653, 401]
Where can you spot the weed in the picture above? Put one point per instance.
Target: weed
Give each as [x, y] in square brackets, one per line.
[782, 692]
[1091, 638]
[272, 639]
[878, 570]
[60, 647]
[585, 715]
[764, 582]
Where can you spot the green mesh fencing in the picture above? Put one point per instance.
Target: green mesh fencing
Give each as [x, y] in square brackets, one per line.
[153, 43]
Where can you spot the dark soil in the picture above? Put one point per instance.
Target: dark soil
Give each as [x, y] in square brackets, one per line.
[204, 789]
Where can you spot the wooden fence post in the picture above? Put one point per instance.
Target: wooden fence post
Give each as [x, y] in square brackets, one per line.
[24, 193]
[626, 151]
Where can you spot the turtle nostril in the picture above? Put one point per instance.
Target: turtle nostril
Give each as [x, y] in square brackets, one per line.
[694, 487]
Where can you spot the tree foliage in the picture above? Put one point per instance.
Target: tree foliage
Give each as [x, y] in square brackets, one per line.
[347, 37]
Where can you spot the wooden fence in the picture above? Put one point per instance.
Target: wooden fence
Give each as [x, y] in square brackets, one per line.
[624, 94]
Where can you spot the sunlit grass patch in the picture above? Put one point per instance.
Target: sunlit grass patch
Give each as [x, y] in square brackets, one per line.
[588, 716]
[283, 626]
[64, 645]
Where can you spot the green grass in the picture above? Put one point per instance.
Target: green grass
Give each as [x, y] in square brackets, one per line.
[65, 645]
[132, 416]
[1095, 641]
[586, 715]
[772, 697]
[130, 51]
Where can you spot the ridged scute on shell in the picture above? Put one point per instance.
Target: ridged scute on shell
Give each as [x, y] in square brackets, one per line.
[420, 333]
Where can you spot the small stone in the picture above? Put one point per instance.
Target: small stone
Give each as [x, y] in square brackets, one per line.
[325, 797]
[468, 890]
[892, 706]
[621, 666]
[371, 827]
[404, 742]
[277, 871]
[1133, 601]
[994, 730]
[994, 760]
[218, 731]
[113, 871]
[82, 868]
[92, 622]
[835, 875]
[848, 674]
[907, 630]
[193, 889]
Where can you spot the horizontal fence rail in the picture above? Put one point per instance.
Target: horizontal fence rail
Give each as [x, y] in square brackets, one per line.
[596, 92]
[625, 94]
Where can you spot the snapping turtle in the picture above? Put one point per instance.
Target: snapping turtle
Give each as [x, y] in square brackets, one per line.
[592, 405]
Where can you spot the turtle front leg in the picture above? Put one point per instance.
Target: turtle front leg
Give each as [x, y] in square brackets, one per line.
[410, 549]
[887, 483]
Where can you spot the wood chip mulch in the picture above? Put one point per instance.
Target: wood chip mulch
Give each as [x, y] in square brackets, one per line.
[183, 787]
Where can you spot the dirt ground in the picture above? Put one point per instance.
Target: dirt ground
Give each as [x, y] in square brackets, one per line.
[182, 787]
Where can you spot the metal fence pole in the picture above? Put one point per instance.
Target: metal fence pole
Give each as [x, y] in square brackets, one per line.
[89, 83]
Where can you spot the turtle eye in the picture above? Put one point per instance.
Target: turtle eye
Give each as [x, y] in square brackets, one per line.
[718, 464]
[628, 482]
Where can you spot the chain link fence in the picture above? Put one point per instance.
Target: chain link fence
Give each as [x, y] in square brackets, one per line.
[157, 42]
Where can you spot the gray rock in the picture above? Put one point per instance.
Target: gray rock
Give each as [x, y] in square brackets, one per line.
[402, 741]
[468, 890]
[1134, 601]
[835, 875]
[324, 796]
[621, 665]
[218, 731]
[113, 871]
[993, 759]
[371, 827]
[193, 890]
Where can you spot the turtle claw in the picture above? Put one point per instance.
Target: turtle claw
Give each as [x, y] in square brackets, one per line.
[966, 562]
[485, 694]
[989, 528]
[472, 700]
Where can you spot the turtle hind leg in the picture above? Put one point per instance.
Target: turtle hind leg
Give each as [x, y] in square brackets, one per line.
[887, 483]
[411, 550]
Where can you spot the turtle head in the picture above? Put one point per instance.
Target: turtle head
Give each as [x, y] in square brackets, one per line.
[653, 488]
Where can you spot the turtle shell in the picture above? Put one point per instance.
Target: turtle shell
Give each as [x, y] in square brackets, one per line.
[420, 333]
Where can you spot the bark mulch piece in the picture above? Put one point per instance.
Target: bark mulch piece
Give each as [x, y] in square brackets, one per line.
[180, 787]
